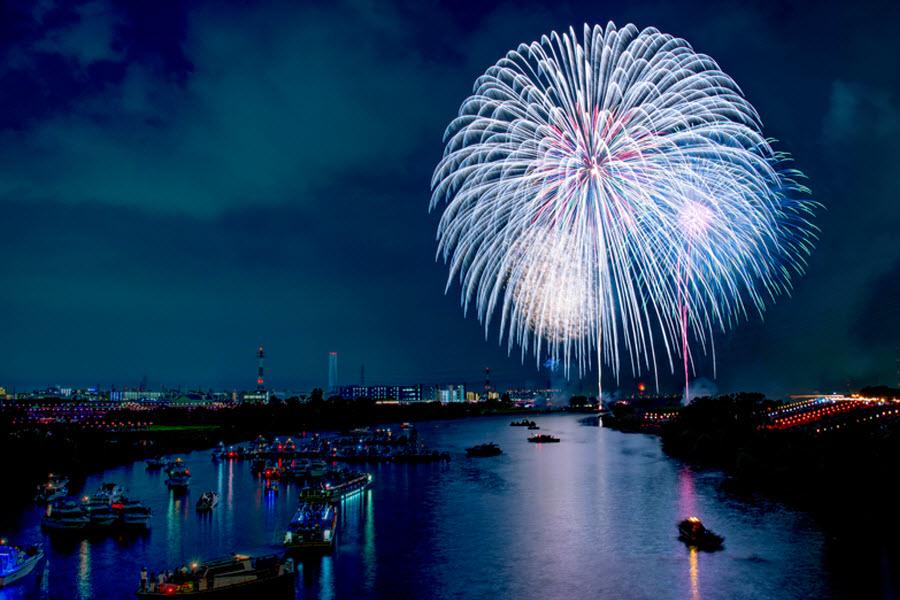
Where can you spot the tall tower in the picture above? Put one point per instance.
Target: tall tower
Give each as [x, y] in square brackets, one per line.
[260, 382]
[487, 381]
[332, 372]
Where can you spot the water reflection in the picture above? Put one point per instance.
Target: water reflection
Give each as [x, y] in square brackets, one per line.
[83, 582]
[694, 575]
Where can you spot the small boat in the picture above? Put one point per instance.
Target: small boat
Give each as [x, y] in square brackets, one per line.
[271, 472]
[16, 563]
[55, 488]
[543, 438]
[66, 514]
[522, 423]
[490, 449]
[692, 532]
[312, 528]
[207, 501]
[179, 478]
[218, 452]
[238, 576]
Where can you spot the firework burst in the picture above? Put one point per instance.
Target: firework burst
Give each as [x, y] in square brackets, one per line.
[613, 194]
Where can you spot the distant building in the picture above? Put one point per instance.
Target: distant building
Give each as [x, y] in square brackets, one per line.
[446, 394]
[137, 396]
[260, 380]
[332, 372]
[409, 393]
[354, 392]
[382, 392]
[255, 397]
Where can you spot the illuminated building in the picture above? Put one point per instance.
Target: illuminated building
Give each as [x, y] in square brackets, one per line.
[446, 394]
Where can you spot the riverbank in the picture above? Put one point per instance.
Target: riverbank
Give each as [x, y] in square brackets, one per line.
[734, 433]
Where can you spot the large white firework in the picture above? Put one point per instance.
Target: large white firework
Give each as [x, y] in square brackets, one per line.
[614, 193]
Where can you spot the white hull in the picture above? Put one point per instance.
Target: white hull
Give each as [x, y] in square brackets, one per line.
[24, 570]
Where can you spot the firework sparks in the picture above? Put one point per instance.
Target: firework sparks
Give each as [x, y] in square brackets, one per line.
[614, 194]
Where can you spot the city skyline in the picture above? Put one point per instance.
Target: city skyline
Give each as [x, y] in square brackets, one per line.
[171, 264]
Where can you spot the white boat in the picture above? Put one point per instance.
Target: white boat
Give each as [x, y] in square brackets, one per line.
[208, 501]
[110, 492]
[16, 563]
[54, 489]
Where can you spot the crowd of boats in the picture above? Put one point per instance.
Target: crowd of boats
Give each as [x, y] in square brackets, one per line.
[109, 507]
[361, 445]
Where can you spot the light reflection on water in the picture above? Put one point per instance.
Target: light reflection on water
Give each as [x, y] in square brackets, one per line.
[84, 571]
[593, 516]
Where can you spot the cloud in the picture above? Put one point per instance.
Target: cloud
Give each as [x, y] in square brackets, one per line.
[277, 106]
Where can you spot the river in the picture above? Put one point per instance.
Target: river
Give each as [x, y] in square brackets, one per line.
[591, 517]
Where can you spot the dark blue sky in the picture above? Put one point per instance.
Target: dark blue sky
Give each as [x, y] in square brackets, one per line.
[180, 182]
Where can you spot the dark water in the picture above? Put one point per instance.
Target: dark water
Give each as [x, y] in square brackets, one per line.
[591, 517]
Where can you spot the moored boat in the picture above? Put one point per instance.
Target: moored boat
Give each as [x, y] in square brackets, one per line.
[489, 449]
[16, 563]
[312, 528]
[55, 488]
[132, 514]
[238, 576]
[543, 438]
[66, 514]
[98, 510]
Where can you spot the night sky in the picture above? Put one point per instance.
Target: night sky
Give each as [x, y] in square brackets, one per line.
[180, 183]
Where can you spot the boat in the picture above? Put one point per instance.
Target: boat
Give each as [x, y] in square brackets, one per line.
[543, 438]
[179, 478]
[312, 528]
[692, 532]
[55, 488]
[132, 514]
[237, 576]
[522, 423]
[98, 510]
[533, 427]
[16, 563]
[66, 514]
[317, 469]
[218, 452]
[111, 492]
[207, 501]
[489, 449]
[271, 472]
[336, 485]
[406, 425]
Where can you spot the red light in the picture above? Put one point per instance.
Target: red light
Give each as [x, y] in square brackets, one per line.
[641, 387]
